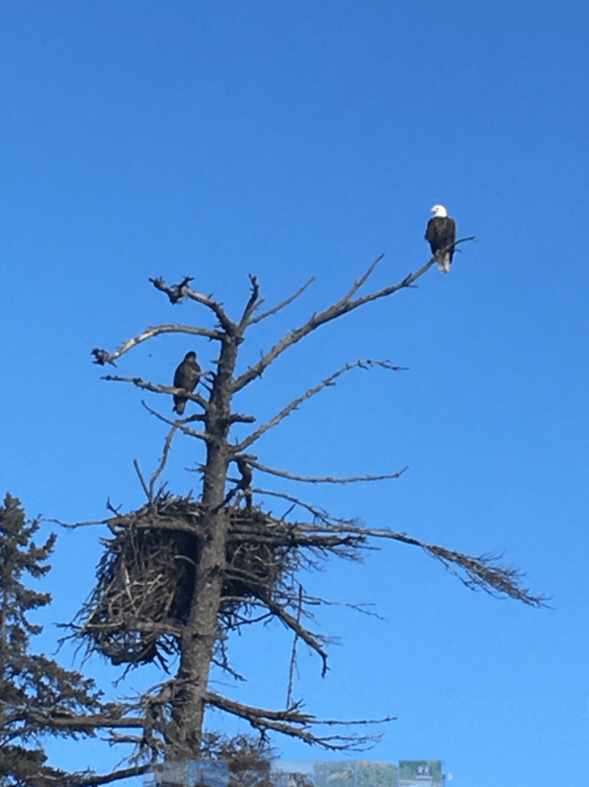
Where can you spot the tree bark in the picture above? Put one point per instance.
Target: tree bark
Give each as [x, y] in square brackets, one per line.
[200, 632]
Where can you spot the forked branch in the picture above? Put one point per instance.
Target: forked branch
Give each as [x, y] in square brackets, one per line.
[253, 303]
[282, 304]
[292, 721]
[344, 305]
[184, 291]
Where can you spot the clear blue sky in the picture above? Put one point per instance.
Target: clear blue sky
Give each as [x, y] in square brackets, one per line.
[289, 139]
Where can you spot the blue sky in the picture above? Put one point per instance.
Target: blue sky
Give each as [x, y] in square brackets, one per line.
[291, 139]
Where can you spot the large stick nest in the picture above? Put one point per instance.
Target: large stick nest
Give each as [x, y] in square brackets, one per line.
[146, 576]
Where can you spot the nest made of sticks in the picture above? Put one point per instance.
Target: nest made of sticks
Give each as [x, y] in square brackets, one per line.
[146, 576]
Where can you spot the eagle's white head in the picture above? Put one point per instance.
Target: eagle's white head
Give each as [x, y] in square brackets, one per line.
[439, 210]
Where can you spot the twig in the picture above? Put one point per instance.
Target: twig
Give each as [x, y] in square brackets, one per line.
[68, 526]
[282, 304]
[317, 513]
[301, 631]
[163, 461]
[356, 607]
[293, 655]
[365, 276]
[179, 423]
[147, 490]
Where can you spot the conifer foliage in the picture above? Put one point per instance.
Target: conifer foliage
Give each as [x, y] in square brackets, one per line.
[36, 693]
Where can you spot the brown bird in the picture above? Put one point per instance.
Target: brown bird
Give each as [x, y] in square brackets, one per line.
[186, 376]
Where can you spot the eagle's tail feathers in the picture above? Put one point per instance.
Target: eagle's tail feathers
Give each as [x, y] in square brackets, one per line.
[443, 262]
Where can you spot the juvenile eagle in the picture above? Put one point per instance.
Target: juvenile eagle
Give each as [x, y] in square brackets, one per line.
[440, 233]
[186, 376]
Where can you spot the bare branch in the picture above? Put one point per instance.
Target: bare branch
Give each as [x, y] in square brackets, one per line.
[344, 305]
[139, 472]
[124, 773]
[363, 364]
[175, 292]
[165, 389]
[311, 600]
[101, 357]
[239, 417]
[206, 300]
[180, 423]
[69, 526]
[324, 479]
[476, 573]
[163, 461]
[293, 655]
[293, 722]
[253, 303]
[316, 512]
[282, 304]
[179, 291]
[365, 276]
[300, 630]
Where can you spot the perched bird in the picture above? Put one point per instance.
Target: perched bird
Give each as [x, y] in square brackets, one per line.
[440, 233]
[186, 376]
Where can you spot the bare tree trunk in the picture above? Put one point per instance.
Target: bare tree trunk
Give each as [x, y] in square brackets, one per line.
[200, 632]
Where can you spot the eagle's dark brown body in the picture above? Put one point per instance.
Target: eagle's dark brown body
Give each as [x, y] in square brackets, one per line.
[186, 376]
[441, 233]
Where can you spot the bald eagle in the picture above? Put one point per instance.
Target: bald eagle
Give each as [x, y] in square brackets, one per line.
[441, 233]
[186, 376]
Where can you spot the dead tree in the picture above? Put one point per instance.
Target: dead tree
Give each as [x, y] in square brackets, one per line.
[179, 575]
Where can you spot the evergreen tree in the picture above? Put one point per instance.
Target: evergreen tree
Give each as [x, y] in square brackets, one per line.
[36, 693]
